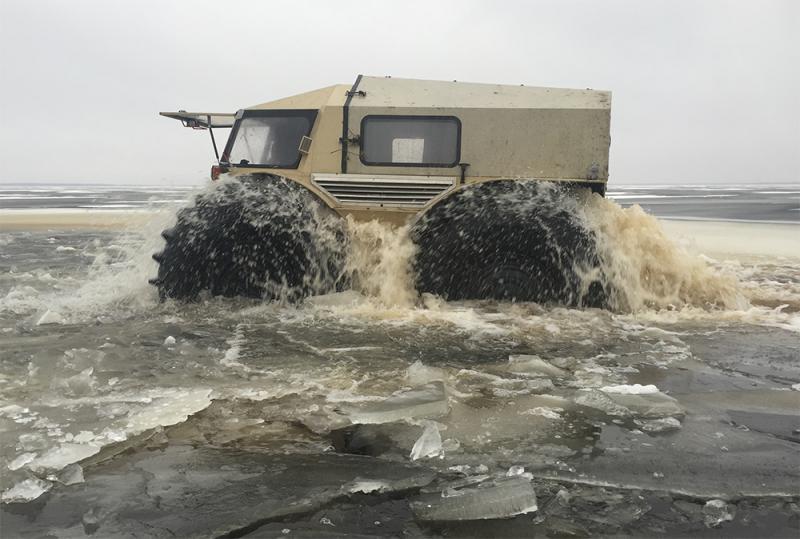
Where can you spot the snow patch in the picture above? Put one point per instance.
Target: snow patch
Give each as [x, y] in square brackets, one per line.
[635, 389]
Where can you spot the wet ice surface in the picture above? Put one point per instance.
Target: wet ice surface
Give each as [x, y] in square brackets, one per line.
[121, 416]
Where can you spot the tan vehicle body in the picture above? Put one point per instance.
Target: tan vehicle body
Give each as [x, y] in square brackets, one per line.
[506, 132]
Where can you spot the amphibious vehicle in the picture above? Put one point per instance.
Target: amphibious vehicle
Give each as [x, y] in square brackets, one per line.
[488, 178]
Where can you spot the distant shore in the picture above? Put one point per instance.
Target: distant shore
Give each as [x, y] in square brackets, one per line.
[78, 218]
[752, 238]
[711, 237]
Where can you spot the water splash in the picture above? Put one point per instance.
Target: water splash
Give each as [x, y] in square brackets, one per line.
[379, 262]
[644, 269]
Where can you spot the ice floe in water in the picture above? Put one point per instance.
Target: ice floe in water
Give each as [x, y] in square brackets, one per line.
[29, 489]
[429, 444]
[632, 389]
[501, 498]
[716, 512]
[424, 402]
[50, 317]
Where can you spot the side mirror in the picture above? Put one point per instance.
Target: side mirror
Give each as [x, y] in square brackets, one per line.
[305, 145]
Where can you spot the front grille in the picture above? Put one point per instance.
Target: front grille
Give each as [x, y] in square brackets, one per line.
[412, 192]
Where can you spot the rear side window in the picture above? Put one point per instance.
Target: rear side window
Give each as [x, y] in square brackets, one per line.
[411, 141]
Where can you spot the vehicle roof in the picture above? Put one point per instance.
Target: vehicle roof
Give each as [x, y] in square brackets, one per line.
[329, 96]
[415, 93]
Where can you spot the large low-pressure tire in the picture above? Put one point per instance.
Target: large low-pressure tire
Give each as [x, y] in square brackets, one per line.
[257, 236]
[508, 240]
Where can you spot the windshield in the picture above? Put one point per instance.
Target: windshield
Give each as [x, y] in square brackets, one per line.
[269, 138]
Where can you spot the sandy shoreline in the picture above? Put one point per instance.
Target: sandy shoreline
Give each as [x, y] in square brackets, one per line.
[71, 218]
[702, 236]
[735, 238]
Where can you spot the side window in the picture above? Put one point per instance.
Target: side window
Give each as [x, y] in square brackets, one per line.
[417, 141]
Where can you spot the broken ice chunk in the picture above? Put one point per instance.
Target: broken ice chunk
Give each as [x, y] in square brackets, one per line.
[503, 498]
[518, 470]
[419, 373]
[32, 441]
[658, 425]
[426, 401]
[533, 365]
[58, 457]
[72, 474]
[715, 512]
[647, 405]
[21, 461]
[598, 400]
[50, 317]
[27, 490]
[634, 389]
[367, 487]
[549, 413]
[429, 443]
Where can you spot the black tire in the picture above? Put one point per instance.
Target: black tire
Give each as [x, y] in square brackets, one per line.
[257, 236]
[508, 240]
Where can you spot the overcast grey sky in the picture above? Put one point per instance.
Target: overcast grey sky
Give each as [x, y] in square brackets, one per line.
[704, 91]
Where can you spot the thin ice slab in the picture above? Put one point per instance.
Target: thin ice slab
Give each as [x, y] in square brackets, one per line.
[502, 498]
[643, 404]
[424, 402]
[184, 491]
[706, 458]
